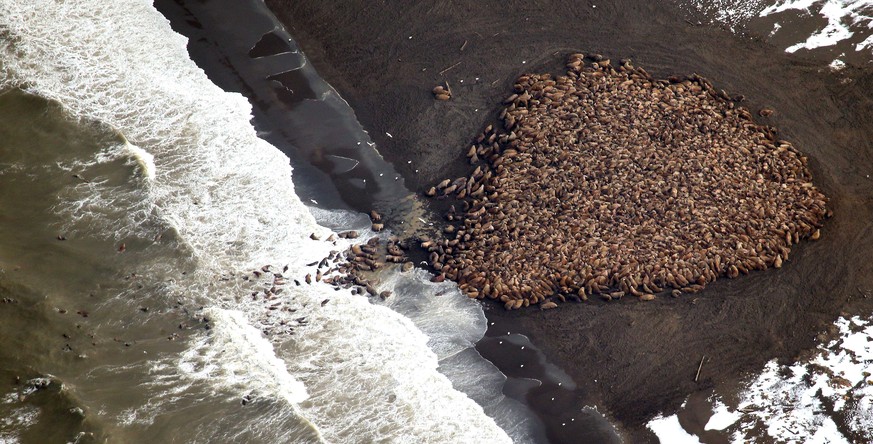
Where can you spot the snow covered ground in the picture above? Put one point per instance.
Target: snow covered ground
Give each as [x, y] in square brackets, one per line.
[843, 27]
[827, 399]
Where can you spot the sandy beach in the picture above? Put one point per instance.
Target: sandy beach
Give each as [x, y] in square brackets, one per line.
[633, 359]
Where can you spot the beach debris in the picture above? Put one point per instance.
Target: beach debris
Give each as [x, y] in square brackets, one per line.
[700, 366]
[448, 68]
[122, 248]
[568, 200]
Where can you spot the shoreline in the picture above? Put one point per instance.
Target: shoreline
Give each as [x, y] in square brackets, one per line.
[222, 50]
[643, 357]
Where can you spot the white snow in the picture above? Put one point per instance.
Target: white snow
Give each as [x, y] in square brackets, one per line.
[796, 403]
[669, 431]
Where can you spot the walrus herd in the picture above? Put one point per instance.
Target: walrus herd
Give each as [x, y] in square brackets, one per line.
[606, 181]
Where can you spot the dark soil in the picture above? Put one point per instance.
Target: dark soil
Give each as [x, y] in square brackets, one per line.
[633, 359]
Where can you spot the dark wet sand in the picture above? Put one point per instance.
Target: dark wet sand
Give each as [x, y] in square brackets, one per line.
[385, 59]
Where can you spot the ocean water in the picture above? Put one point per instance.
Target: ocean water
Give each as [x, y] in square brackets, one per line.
[138, 203]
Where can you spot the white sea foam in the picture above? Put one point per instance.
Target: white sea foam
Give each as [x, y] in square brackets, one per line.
[144, 159]
[19, 416]
[115, 206]
[452, 321]
[367, 370]
[20, 419]
[238, 354]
